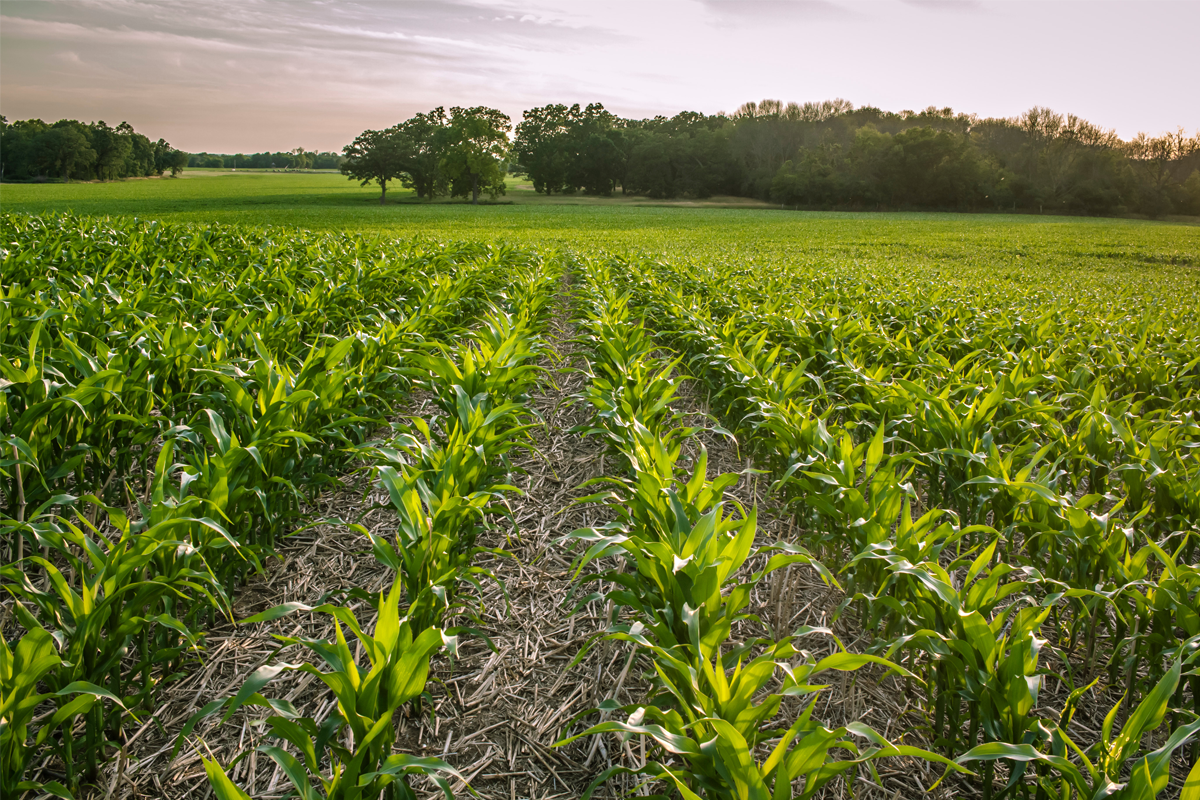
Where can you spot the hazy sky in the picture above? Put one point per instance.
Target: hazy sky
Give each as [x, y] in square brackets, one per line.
[251, 75]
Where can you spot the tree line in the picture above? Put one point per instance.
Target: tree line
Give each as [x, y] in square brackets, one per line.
[816, 155]
[292, 159]
[32, 149]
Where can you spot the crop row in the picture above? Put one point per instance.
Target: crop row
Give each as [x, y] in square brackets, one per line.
[979, 478]
[443, 477]
[682, 590]
[1001, 483]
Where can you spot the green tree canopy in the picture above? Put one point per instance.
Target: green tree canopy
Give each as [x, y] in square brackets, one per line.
[422, 168]
[570, 149]
[33, 150]
[541, 146]
[65, 150]
[476, 146]
[378, 156]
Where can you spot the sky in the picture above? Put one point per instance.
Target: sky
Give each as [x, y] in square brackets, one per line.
[229, 76]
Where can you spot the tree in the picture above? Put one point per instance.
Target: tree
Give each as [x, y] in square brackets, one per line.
[302, 159]
[113, 146]
[567, 149]
[649, 168]
[65, 150]
[422, 167]
[378, 156]
[477, 143]
[811, 181]
[598, 164]
[177, 161]
[1191, 193]
[540, 146]
[595, 143]
[1161, 161]
[168, 158]
[31, 149]
[140, 161]
[686, 155]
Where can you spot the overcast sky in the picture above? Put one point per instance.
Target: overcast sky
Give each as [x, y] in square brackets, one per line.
[251, 75]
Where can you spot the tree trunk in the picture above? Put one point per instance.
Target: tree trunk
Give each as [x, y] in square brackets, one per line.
[382, 194]
[475, 189]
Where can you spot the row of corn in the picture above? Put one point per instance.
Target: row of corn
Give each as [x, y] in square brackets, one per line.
[445, 476]
[730, 711]
[1007, 496]
[173, 398]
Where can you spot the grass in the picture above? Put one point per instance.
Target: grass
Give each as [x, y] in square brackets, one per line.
[345, 202]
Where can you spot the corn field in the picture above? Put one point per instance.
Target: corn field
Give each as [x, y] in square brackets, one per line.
[996, 492]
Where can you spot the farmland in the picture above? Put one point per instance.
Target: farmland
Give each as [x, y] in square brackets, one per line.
[360, 501]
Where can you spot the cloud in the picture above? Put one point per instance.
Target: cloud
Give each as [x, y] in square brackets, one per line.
[246, 69]
[775, 11]
[953, 6]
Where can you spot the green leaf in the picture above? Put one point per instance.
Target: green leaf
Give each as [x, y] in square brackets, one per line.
[1191, 784]
[53, 788]
[874, 451]
[293, 769]
[223, 787]
[1148, 715]
[995, 751]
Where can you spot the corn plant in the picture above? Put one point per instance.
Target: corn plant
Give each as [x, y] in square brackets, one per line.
[1022, 445]
[117, 599]
[683, 546]
[685, 594]
[439, 515]
[443, 478]
[1103, 763]
[34, 659]
[349, 754]
[1162, 616]
[703, 713]
[626, 380]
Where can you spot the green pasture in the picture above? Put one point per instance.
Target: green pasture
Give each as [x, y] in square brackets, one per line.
[1157, 260]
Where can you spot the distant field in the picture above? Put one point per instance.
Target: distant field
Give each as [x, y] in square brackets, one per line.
[291, 198]
[1120, 256]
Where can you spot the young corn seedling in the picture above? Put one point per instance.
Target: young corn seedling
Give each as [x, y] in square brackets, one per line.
[975, 652]
[118, 599]
[440, 512]
[684, 547]
[445, 479]
[350, 754]
[493, 366]
[34, 659]
[703, 713]
[1102, 766]
[685, 552]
